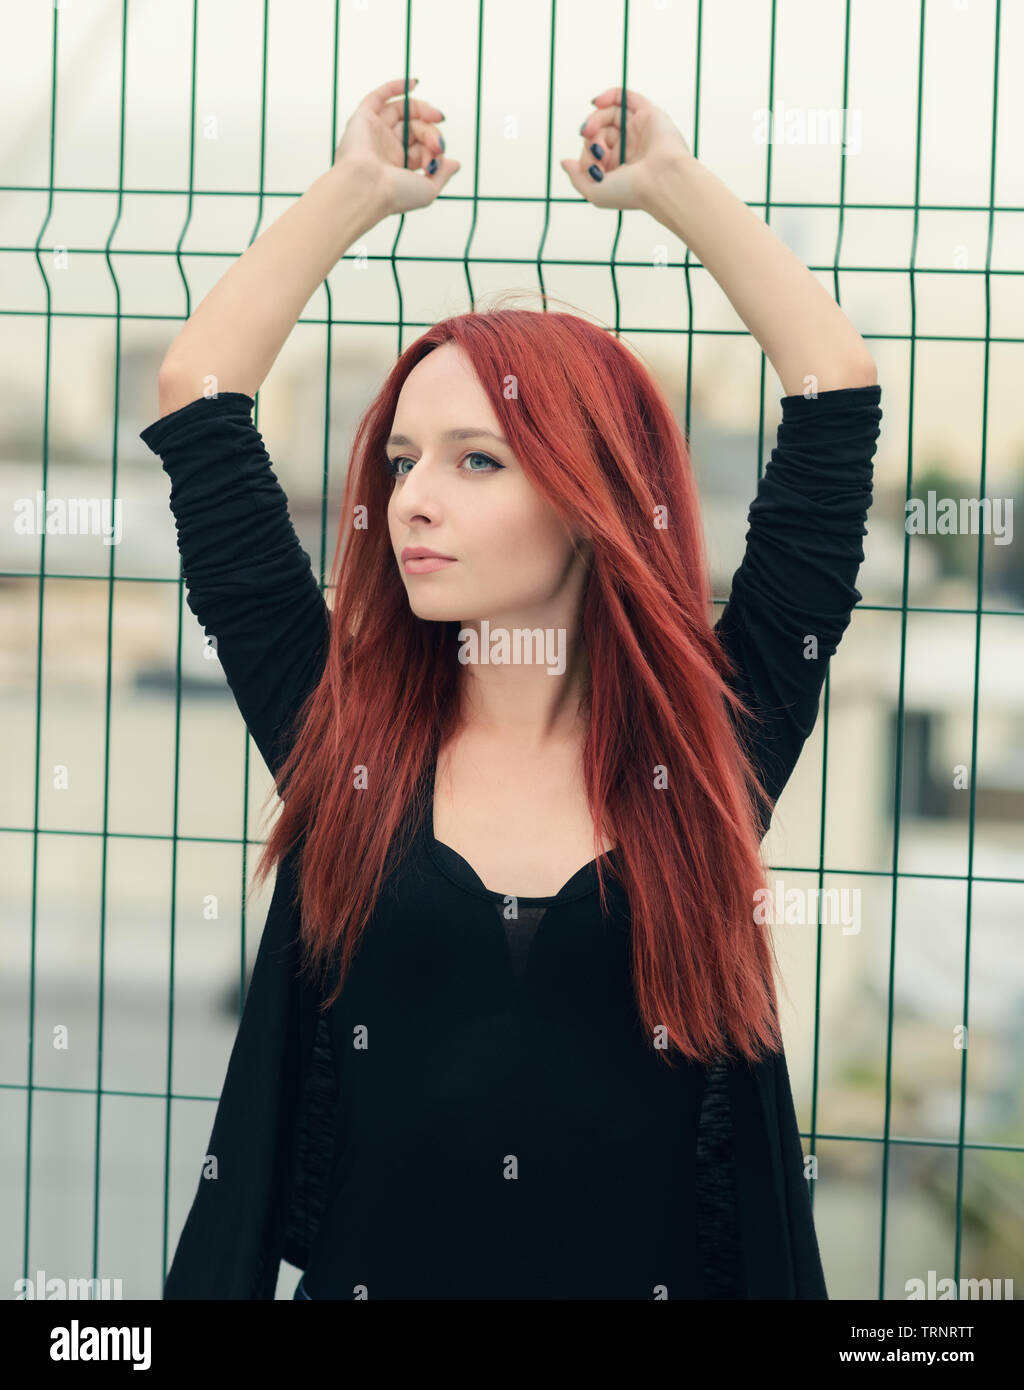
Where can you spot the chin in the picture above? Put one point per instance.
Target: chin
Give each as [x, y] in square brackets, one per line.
[434, 610]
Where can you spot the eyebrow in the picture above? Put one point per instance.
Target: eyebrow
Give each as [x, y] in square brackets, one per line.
[469, 433]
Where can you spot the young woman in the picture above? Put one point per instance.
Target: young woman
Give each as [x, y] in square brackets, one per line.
[512, 1030]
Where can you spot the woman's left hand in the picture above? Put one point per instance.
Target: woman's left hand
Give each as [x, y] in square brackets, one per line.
[654, 146]
[372, 144]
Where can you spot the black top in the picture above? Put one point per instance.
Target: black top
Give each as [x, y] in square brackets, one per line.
[530, 1144]
[478, 1116]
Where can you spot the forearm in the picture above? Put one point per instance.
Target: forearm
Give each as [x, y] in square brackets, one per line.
[236, 333]
[798, 324]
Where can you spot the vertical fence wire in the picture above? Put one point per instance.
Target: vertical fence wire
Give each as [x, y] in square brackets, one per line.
[986, 348]
[33, 923]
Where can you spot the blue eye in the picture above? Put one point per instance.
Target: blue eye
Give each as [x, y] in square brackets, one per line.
[393, 468]
[487, 459]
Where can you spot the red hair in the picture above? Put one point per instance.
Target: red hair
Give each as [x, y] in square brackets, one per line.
[663, 766]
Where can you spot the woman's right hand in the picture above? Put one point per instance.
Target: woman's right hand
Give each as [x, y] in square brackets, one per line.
[372, 144]
[654, 147]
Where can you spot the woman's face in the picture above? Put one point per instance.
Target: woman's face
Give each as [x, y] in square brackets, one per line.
[511, 559]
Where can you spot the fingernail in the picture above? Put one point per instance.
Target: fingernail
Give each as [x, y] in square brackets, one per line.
[443, 117]
[597, 150]
[432, 167]
[441, 138]
[584, 126]
[596, 172]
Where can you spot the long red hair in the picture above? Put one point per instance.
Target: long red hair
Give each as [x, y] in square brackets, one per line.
[664, 769]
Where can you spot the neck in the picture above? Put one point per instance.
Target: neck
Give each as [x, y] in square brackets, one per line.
[527, 685]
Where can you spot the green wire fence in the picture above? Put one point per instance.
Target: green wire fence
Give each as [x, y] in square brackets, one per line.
[538, 263]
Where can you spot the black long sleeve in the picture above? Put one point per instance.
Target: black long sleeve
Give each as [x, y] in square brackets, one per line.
[796, 580]
[249, 581]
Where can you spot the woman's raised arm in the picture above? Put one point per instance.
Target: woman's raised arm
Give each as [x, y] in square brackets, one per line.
[794, 592]
[803, 332]
[232, 339]
[249, 581]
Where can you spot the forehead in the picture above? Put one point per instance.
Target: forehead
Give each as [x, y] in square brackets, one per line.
[446, 368]
[442, 395]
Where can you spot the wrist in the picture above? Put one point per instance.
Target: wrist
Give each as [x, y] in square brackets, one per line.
[668, 184]
[359, 189]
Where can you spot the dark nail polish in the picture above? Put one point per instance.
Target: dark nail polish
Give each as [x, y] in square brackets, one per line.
[584, 126]
[432, 167]
[597, 150]
[441, 138]
[596, 173]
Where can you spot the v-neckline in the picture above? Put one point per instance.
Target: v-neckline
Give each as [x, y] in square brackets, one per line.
[443, 856]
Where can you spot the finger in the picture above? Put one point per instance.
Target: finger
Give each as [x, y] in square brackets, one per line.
[596, 121]
[582, 181]
[422, 132]
[444, 171]
[573, 168]
[425, 190]
[420, 156]
[376, 99]
[612, 116]
[394, 111]
[602, 148]
[417, 156]
[605, 128]
[613, 95]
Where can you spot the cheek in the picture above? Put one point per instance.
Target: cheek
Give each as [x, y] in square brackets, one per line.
[522, 532]
[395, 529]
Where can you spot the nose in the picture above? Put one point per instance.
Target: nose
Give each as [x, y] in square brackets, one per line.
[415, 497]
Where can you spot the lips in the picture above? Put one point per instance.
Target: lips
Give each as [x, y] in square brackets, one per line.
[421, 559]
[426, 564]
[423, 552]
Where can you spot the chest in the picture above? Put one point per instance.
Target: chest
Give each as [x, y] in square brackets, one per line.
[522, 823]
